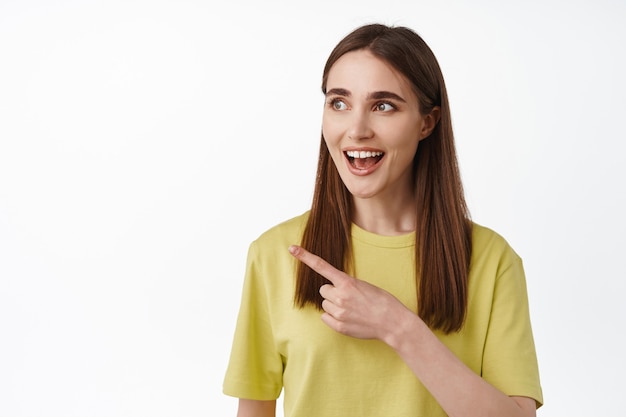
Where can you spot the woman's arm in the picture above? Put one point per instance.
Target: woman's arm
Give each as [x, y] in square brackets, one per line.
[255, 408]
[458, 390]
[359, 309]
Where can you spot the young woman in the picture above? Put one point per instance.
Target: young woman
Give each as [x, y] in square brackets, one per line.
[384, 299]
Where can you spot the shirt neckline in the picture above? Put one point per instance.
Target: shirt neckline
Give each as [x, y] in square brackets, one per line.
[399, 241]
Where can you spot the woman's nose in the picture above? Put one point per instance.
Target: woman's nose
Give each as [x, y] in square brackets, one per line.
[360, 126]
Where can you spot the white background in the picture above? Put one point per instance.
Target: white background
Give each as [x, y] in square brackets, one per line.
[144, 144]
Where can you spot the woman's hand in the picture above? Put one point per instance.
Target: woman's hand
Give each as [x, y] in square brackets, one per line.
[351, 306]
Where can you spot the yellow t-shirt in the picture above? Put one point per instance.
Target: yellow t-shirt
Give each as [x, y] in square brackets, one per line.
[323, 373]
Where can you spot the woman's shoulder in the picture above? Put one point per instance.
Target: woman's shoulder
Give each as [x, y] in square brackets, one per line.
[289, 231]
[488, 242]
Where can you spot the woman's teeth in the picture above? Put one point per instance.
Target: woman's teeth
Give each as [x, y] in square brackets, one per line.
[363, 154]
[363, 160]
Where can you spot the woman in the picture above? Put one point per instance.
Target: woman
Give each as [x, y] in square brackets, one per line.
[423, 313]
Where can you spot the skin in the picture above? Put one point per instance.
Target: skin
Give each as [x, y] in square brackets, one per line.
[355, 117]
[255, 408]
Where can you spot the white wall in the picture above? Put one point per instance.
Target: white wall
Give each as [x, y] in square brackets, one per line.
[144, 144]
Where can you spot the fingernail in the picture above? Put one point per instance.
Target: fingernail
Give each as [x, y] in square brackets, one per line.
[293, 249]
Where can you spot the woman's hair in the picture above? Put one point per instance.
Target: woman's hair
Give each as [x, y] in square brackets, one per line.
[443, 227]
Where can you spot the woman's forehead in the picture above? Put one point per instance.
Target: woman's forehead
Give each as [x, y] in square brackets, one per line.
[362, 72]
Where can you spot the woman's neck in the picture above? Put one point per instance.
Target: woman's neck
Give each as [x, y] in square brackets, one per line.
[385, 217]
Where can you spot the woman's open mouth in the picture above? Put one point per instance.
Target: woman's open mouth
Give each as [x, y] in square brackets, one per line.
[363, 160]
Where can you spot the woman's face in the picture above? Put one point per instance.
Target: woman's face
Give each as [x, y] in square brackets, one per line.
[372, 126]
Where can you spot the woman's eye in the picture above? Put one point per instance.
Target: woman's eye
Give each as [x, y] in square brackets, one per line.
[384, 107]
[338, 105]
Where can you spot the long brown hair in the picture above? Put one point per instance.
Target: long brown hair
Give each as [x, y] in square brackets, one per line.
[443, 226]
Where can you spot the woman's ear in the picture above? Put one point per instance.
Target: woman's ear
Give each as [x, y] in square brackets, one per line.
[430, 121]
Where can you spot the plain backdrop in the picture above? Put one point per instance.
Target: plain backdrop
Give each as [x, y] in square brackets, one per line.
[145, 144]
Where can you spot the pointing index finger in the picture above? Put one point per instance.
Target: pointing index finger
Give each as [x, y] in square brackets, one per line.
[317, 264]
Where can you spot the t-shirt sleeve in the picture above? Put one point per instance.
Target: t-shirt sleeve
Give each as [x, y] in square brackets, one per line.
[510, 359]
[255, 368]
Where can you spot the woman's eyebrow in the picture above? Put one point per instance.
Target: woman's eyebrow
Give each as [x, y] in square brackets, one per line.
[339, 92]
[380, 95]
[376, 95]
